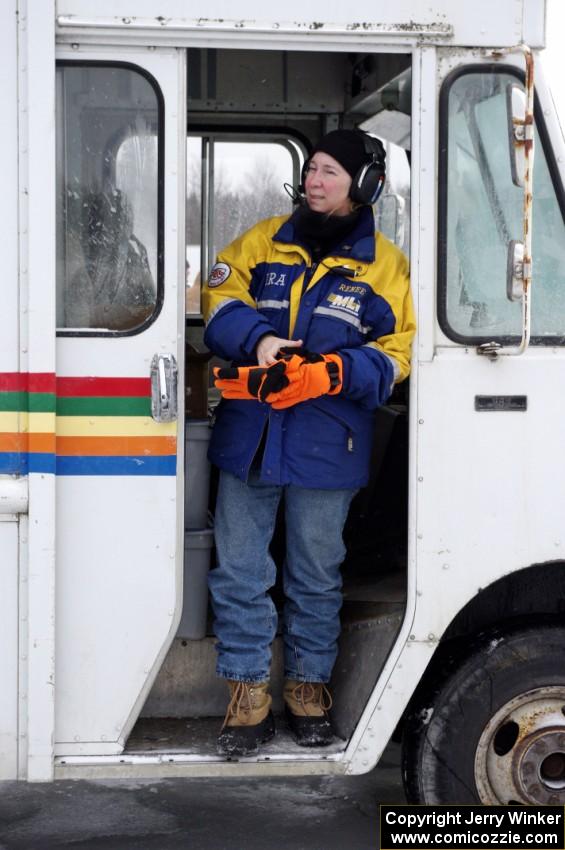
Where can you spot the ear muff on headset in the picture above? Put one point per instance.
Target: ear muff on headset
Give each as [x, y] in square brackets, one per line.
[369, 181]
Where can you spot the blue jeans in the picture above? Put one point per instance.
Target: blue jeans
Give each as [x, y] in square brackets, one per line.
[245, 616]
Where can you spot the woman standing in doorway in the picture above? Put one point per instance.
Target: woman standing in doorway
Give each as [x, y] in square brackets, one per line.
[315, 313]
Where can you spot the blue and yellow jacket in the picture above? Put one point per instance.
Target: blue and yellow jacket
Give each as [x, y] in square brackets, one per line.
[356, 302]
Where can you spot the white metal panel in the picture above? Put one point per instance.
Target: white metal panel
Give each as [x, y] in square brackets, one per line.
[534, 26]
[22, 646]
[502, 508]
[119, 560]
[10, 490]
[116, 595]
[486, 23]
[37, 341]
[9, 650]
[9, 319]
[408, 659]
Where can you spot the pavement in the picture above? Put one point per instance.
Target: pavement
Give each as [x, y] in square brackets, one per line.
[298, 813]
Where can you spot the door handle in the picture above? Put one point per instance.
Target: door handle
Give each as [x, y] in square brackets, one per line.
[164, 382]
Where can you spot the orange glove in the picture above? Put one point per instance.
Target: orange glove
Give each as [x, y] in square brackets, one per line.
[310, 376]
[246, 382]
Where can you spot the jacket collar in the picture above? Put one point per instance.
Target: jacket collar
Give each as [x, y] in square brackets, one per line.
[359, 244]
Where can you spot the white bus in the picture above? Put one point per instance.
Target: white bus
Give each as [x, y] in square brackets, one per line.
[135, 143]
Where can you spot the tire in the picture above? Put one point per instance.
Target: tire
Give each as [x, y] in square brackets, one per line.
[492, 729]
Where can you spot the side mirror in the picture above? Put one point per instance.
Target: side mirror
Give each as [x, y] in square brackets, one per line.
[519, 133]
[515, 271]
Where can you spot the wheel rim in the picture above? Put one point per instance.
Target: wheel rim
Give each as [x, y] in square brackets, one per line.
[521, 753]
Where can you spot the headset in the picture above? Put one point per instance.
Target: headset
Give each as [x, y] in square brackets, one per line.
[368, 183]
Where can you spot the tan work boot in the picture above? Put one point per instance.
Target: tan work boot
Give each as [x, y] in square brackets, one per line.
[248, 721]
[306, 708]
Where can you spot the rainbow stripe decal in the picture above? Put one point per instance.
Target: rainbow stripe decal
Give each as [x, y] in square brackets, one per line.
[82, 426]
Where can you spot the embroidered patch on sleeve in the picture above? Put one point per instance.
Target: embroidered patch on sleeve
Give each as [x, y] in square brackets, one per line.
[219, 274]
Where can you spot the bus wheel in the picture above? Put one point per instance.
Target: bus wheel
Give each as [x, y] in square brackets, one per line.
[493, 730]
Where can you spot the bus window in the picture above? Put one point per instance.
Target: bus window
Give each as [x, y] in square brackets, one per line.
[482, 206]
[243, 183]
[108, 269]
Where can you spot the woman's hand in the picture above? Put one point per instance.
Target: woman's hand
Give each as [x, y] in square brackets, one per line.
[269, 346]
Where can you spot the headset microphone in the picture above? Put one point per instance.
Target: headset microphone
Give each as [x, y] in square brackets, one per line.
[296, 194]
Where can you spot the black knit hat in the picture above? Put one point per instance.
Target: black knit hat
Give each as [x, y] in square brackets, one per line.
[347, 146]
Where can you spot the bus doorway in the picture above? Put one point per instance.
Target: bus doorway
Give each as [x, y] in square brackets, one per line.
[252, 117]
